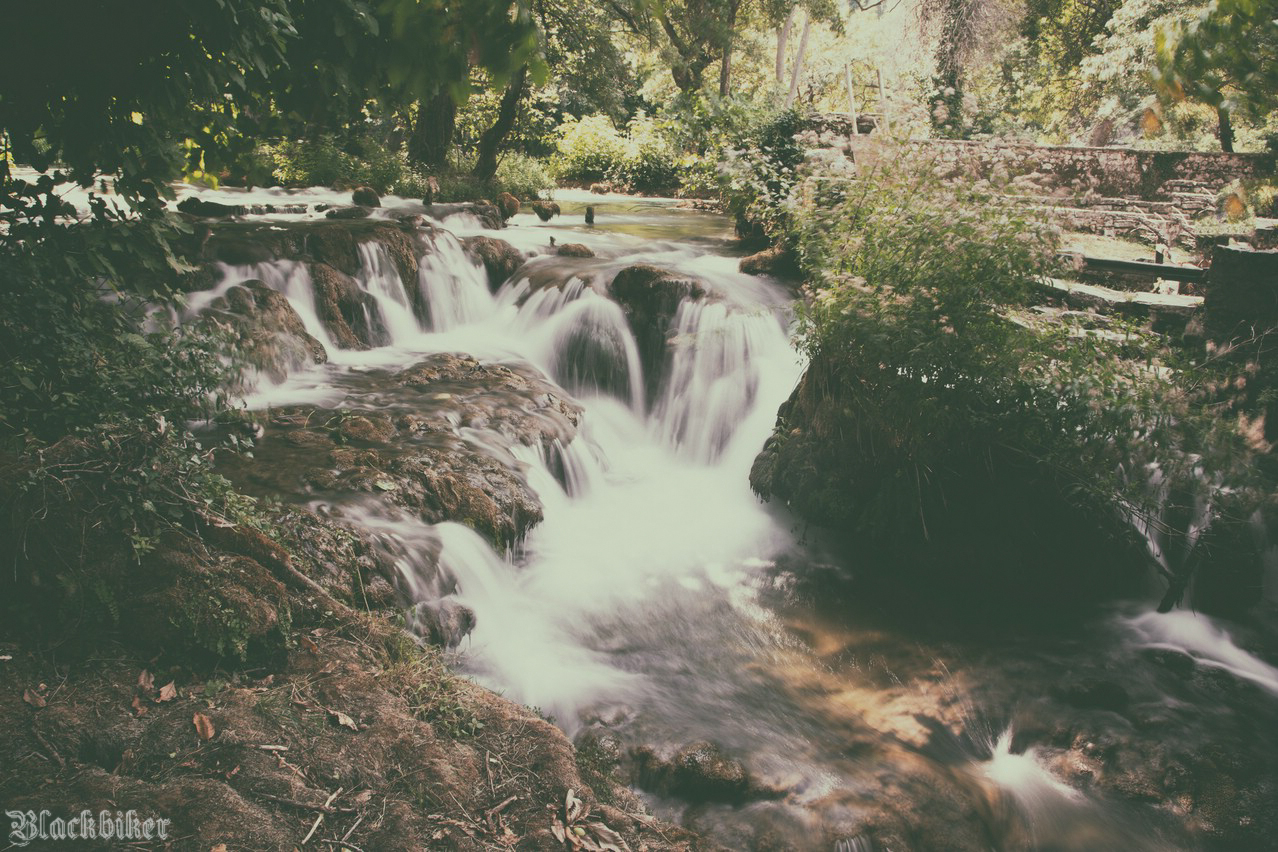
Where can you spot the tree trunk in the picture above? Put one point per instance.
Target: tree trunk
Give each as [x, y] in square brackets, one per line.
[725, 64]
[490, 142]
[1225, 130]
[432, 135]
[798, 63]
[783, 41]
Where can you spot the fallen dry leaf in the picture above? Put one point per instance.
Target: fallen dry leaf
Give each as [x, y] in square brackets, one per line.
[363, 797]
[573, 808]
[167, 692]
[138, 706]
[221, 847]
[344, 720]
[146, 681]
[203, 726]
[35, 699]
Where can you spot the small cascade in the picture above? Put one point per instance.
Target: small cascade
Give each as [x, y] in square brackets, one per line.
[454, 288]
[593, 350]
[1201, 638]
[290, 278]
[531, 654]
[379, 278]
[1025, 778]
[712, 381]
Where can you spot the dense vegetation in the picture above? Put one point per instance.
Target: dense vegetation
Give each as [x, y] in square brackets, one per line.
[511, 96]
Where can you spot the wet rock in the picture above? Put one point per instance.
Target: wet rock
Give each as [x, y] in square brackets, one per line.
[650, 297]
[574, 250]
[500, 258]
[332, 244]
[369, 429]
[1092, 694]
[444, 623]
[346, 310]
[771, 261]
[487, 212]
[507, 205]
[698, 772]
[545, 210]
[209, 209]
[270, 335]
[366, 196]
[348, 213]
[240, 252]
[516, 401]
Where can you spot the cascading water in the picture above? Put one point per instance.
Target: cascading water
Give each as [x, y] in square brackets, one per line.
[659, 601]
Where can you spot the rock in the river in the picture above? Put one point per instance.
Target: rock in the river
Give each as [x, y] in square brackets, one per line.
[575, 250]
[271, 336]
[499, 257]
[444, 623]
[366, 196]
[209, 209]
[348, 213]
[515, 401]
[697, 773]
[508, 205]
[345, 309]
[650, 297]
[545, 210]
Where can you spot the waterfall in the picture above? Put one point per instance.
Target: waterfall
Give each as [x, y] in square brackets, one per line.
[290, 278]
[713, 377]
[454, 287]
[378, 277]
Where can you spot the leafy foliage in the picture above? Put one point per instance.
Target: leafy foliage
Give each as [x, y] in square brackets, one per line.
[927, 356]
[591, 149]
[1227, 58]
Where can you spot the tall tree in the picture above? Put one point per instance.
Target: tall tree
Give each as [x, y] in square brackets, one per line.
[1227, 58]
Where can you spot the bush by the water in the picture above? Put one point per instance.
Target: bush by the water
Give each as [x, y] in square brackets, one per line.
[641, 159]
[928, 363]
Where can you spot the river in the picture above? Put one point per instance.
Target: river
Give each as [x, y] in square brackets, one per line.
[660, 603]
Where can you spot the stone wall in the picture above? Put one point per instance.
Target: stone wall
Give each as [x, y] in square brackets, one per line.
[1060, 170]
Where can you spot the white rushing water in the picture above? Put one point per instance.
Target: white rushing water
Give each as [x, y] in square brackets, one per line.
[640, 598]
[653, 499]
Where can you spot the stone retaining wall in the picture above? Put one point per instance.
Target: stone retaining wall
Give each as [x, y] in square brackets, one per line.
[1060, 170]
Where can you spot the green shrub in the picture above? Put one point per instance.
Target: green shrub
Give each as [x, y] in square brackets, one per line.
[588, 148]
[648, 161]
[523, 177]
[917, 311]
[324, 161]
[757, 177]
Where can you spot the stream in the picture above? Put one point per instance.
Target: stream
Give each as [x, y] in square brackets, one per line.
[661, 604]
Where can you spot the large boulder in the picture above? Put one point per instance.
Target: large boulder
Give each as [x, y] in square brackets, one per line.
[350, 315]
[650, 297]
[575, 250]
[545, 210]
[513, 400]
[508, 205]
[209, 209]
[366, 196]
[974, 519]
[269, 334]
[500, 258]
